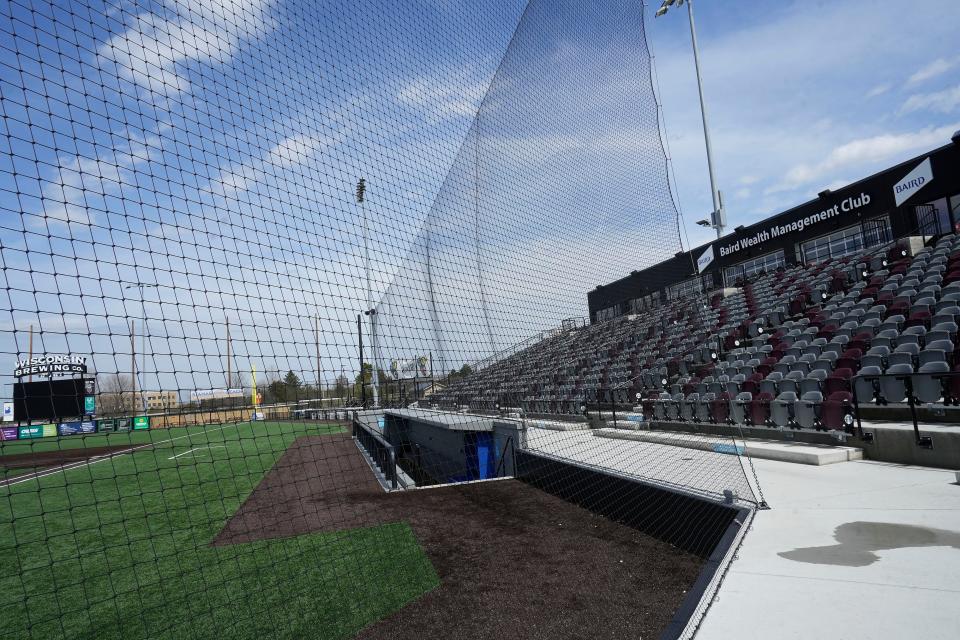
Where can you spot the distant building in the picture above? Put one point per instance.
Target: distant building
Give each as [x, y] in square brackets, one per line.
[159, 400]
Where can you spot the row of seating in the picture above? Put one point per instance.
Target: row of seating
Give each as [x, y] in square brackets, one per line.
[869, 325]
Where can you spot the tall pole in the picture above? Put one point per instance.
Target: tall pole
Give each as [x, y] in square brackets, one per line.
[133, 366]
[363, 382]
[229, 365]
[319, 384]
[718, 217]
[371, 312]
[30, 351]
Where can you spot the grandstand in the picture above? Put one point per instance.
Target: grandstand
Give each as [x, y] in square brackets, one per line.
[797, 345]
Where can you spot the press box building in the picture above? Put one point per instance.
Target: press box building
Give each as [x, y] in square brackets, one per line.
[920, 197]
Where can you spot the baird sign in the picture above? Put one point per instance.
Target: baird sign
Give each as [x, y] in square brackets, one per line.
[847, 205]
[50, 365]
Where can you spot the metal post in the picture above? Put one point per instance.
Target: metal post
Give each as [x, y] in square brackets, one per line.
[30, 351]
[133, 367]
[363, 384]
[717, 205]
[229, 367]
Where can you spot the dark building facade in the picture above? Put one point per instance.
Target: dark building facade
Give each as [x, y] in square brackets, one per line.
[919, 197]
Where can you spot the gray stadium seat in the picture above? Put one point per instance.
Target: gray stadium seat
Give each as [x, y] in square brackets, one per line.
[791, 382]
[926, 387]
[864, 387]
[688, 407]
[893, 389]
[771, 383]
[813, 381]
[782, 408]
[739, 407]
[702, 413]
[807, 409]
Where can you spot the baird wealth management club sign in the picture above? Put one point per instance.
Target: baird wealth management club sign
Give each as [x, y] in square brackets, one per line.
[847, 205]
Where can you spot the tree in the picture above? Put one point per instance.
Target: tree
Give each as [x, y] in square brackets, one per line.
[291, 380]
[114, 395]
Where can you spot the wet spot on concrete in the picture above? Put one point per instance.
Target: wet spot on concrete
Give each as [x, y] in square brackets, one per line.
[857, 542]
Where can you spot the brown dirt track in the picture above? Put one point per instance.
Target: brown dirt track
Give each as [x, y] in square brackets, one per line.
[512, 560]
[44, 459]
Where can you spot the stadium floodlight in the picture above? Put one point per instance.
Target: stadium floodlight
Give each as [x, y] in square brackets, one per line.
[370, 312]
[143, 346]
[718, 217]
[704, 223]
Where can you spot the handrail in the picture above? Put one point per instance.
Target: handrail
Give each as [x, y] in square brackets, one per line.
[383, 453]
[907, 378]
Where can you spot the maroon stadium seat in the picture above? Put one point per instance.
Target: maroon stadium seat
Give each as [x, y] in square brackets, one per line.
[834, 408]
[720, 408]
[760, 408]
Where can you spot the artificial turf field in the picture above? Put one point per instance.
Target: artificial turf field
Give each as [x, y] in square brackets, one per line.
[120, 548]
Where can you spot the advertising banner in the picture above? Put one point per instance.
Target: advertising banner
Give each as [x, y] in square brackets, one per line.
[8, 412]
[8, 433]
[89, 405]
[409, 369]
[69, 428]
[33, 431]
[49, 431]
[141, 422]
[107, 425]
[123, 424]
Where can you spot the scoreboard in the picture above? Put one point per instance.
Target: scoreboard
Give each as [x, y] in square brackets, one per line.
[51, 400]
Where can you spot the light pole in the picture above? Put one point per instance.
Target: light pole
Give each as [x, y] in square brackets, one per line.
[371, 312]
[718, 219]
[143, 345]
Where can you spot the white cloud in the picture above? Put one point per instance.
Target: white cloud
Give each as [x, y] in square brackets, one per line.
[864, 152]
[444, 96]
[879, 90]
[932, 70]
[150, 51]
[945, 101]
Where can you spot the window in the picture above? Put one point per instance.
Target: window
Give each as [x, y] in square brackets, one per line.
[608, 313]
[844, 242]
[752, 267]
[696, 285]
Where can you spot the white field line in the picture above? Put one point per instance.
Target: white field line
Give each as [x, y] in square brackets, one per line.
[94, 460]
[204, 448]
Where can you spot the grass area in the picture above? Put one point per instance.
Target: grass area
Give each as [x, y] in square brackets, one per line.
[132, 438]
[120, 549]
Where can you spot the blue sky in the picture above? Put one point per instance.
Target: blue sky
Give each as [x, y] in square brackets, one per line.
[803, 95]
[211, 149]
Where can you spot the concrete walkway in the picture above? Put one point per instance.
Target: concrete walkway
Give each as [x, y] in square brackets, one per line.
[856, 550]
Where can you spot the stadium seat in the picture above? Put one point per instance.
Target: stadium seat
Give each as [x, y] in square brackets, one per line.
[739, 407]
[893, 388]
[688, 407]
[807, 409]
[865, 386]
[835, 410]
[813, 381]
[927, 386]
[760, 408]
[782, 409]
[839, 380]
[702, 413]
[720, 408]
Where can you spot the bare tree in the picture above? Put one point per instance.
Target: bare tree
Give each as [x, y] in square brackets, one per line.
[114, 394]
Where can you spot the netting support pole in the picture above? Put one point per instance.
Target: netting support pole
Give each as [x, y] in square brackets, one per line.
[363, 380]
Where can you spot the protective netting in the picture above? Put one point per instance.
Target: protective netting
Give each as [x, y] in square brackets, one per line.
[233, 233]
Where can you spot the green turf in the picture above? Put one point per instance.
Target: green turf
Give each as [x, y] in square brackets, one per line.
[120, 549]
[123, 438]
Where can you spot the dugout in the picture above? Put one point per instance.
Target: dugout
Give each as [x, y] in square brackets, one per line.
[437, 448]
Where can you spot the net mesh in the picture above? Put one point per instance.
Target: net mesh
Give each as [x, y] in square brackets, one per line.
[245, 231]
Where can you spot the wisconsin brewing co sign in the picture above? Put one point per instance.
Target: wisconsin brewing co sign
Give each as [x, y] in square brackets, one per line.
[50, 365]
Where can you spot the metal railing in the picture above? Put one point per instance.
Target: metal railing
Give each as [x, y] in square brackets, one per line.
[382, 453]
[907, 379]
